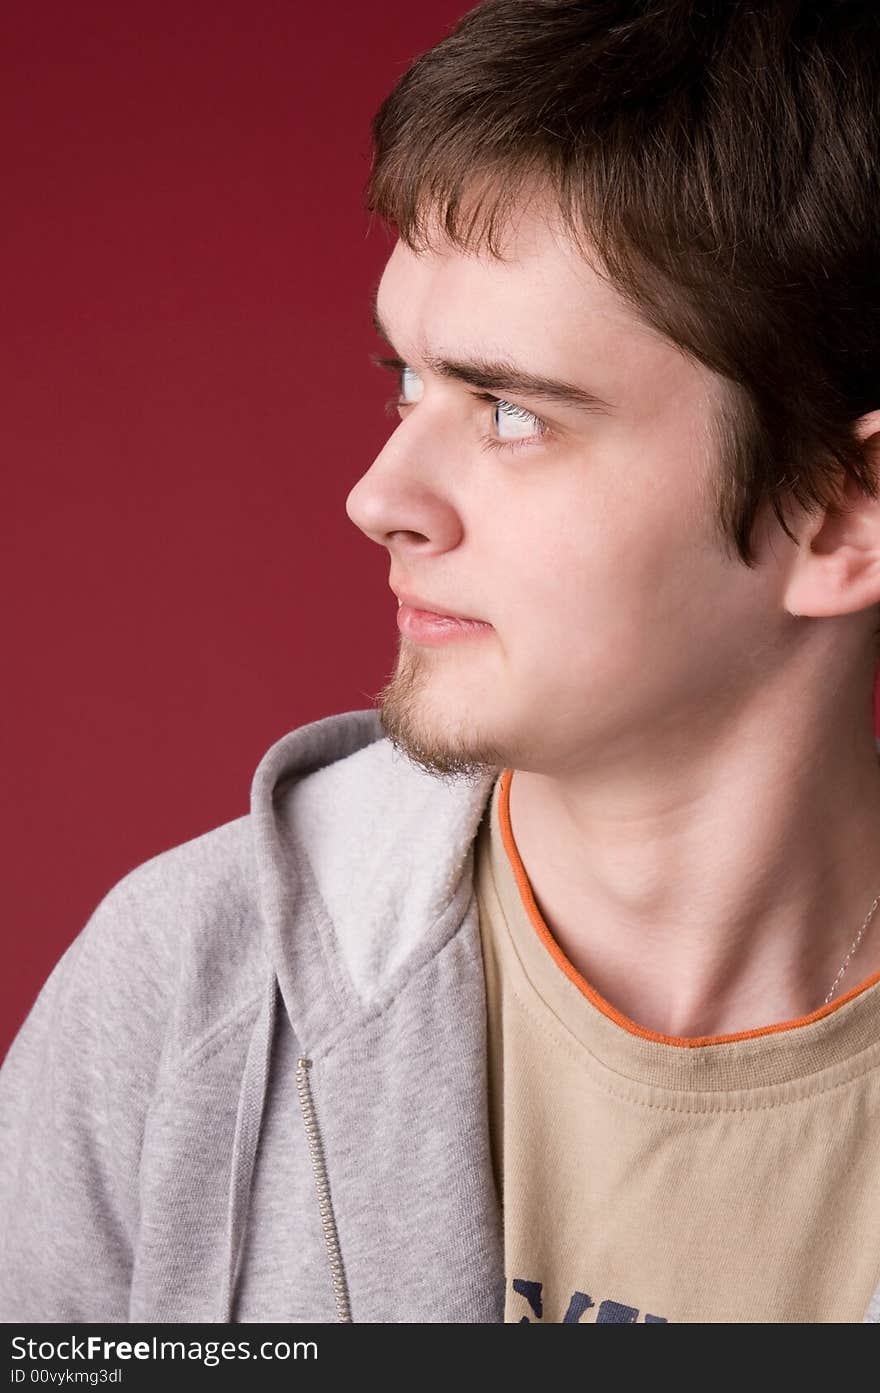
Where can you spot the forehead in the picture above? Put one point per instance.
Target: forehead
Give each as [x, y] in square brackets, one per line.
[545, 305]
[541, 272]
[548, 308]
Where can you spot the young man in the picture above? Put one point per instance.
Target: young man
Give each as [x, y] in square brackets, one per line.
[550, 990]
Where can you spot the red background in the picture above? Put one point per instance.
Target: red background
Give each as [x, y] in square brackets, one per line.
[186, 402]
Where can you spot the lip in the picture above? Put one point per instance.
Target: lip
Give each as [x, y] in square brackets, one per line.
[427, 627]
[429, 607]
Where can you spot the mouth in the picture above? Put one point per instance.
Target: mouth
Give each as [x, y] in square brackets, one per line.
[432, 628]
[432, 610]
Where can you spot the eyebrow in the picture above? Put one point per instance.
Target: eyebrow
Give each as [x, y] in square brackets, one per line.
[504, 376]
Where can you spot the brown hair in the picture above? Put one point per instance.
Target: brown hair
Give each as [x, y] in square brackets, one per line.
[722, 158]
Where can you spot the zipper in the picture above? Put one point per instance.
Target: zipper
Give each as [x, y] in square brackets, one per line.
[322, 1185]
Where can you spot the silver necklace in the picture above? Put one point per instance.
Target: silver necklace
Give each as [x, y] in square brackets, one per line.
[854, 945]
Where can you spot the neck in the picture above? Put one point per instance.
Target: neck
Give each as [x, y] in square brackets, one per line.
[716, 888]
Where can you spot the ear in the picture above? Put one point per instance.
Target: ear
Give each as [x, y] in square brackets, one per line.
[836, 569]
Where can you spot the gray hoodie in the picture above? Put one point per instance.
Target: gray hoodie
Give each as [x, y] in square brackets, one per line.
[254, 1086]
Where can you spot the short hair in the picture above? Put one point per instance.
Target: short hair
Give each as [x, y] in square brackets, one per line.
[723, 160]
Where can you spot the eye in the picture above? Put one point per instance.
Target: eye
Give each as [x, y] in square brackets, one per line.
[527, 428]
[409, 380]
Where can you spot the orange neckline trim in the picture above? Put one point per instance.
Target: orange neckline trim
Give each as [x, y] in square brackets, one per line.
[571, 972]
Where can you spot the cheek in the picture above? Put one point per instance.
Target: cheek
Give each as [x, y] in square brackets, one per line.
[604, 579]
[649, 522]
[610, 543]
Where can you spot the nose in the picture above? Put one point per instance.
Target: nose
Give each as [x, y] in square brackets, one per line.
[363, 508]
[399, 506]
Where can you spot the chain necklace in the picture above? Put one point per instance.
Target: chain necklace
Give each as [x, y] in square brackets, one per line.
[854, 945]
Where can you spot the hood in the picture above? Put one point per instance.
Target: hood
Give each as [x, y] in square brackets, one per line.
[364, 871]
[350, 834]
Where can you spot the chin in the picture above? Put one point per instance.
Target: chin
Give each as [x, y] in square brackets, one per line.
[447, 745]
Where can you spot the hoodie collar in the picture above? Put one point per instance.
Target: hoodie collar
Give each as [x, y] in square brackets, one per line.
[360, 860]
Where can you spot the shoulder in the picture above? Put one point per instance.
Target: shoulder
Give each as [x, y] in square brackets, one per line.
[175, 947]
[170, 955]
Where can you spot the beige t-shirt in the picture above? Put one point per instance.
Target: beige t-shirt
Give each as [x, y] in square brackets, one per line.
[643, 1180]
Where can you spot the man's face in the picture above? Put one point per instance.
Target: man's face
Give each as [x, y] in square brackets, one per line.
[589, 543]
